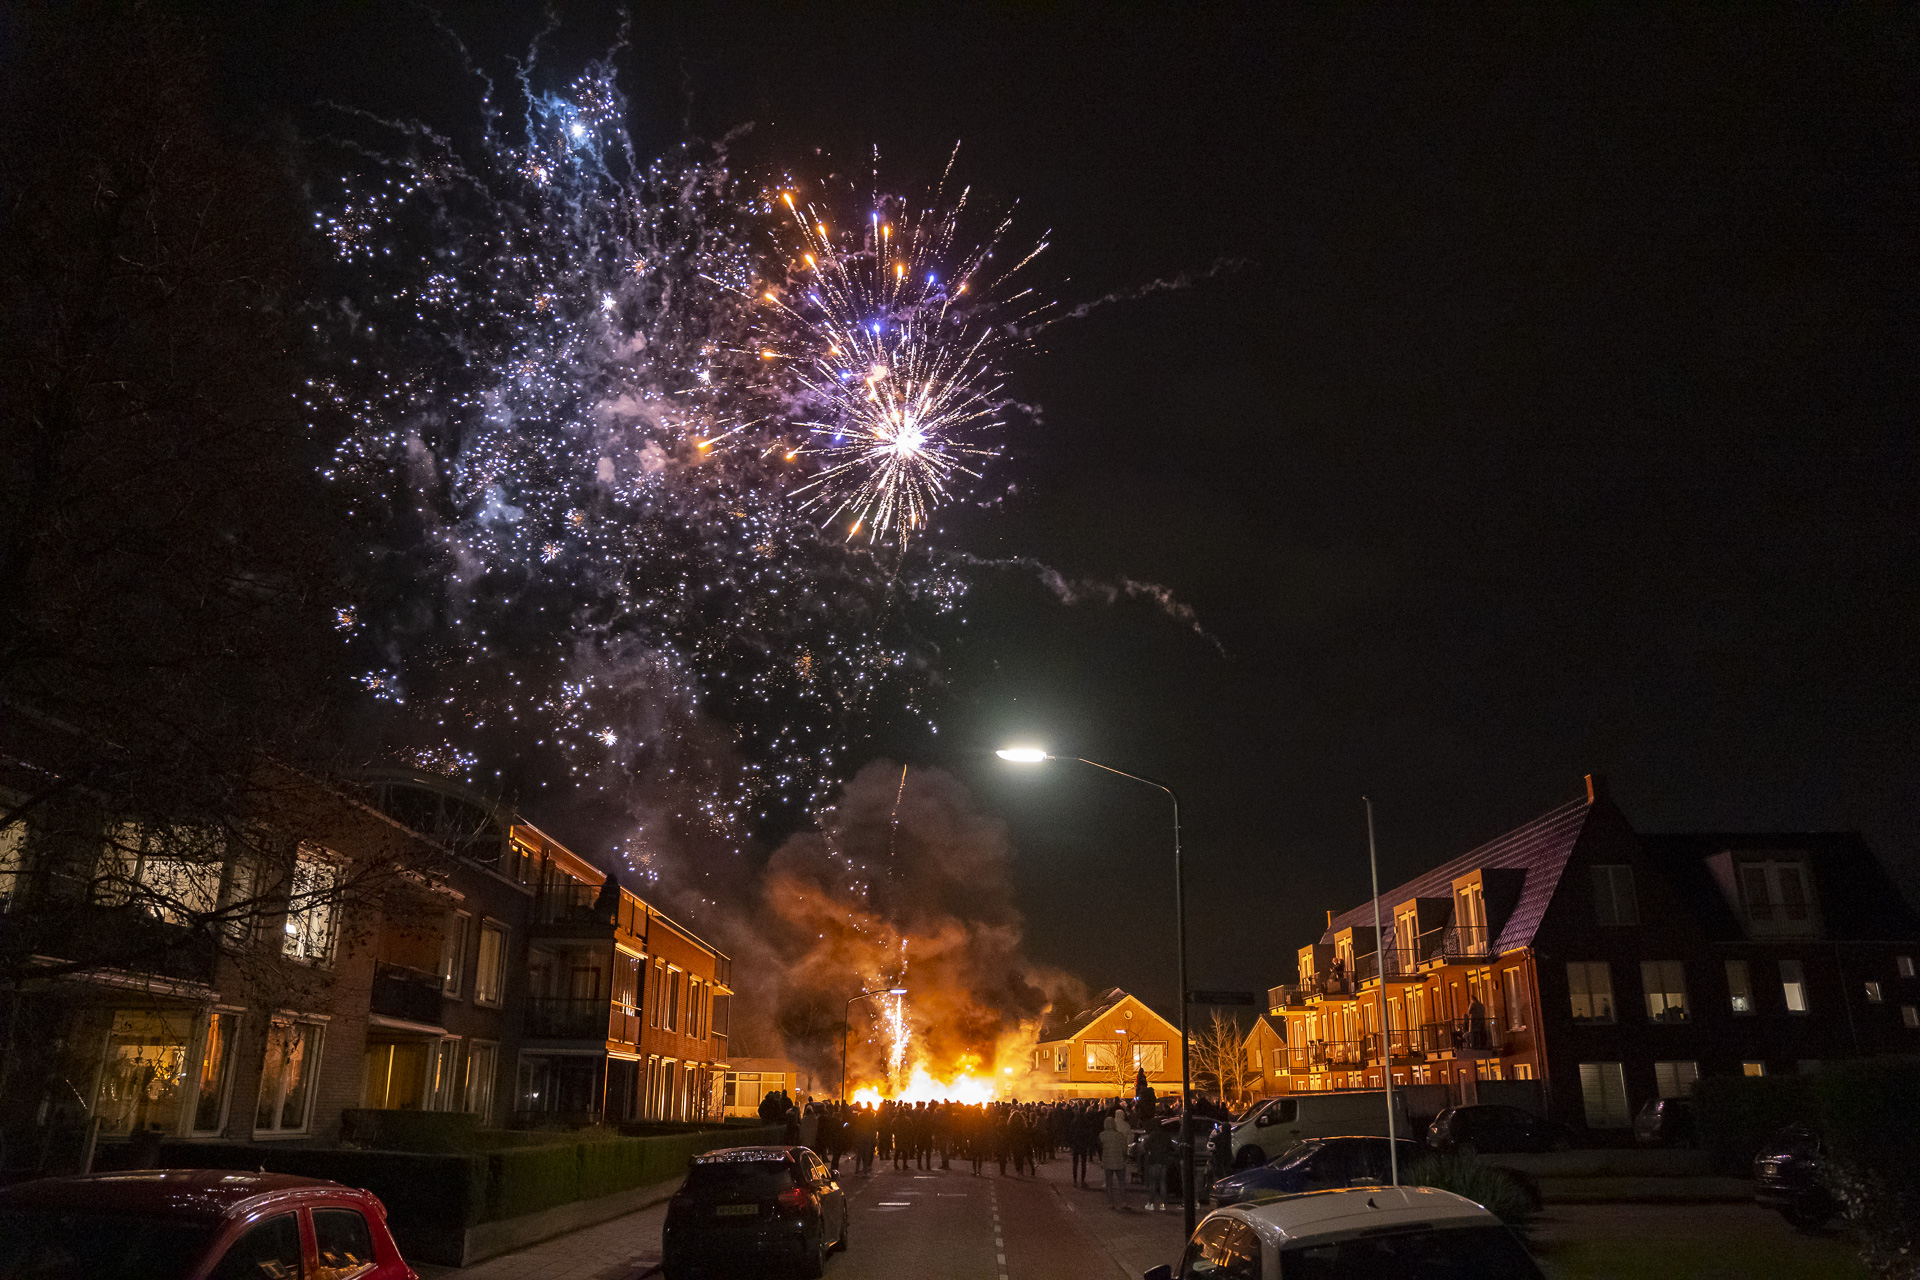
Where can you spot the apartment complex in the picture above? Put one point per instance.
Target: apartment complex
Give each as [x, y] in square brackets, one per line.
[1098, 1051]
[1608, 966]
[397, 944]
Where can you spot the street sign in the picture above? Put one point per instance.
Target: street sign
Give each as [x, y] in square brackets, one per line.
[1221, 997]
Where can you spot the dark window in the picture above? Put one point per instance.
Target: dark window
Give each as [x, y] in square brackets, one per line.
[1222, 1249]
[1482, 1253]
[345, 1243]
[63, 1245]
[740, 1179]
[268, 1251]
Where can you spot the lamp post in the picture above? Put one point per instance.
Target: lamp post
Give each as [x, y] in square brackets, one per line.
[881, 991]
[1034, 755]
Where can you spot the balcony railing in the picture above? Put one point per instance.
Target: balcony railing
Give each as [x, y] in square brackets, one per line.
[1453, 942]
[569, 904]
[411, 995]
[1335, 1053]
[567, 1018]
[1465, 1038]
[1282, 998]
[1337, 985]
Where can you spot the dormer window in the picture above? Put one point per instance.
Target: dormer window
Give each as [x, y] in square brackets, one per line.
[1775, 896]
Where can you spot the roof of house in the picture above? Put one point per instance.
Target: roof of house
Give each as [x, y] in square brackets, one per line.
[1073, 1024]
[1540, 848]
[1276, 1025]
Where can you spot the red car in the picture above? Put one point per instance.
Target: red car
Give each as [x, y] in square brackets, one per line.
[194, 1224]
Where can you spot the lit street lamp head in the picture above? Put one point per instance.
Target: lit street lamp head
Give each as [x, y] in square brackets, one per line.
[1023, 755]
[896, 991]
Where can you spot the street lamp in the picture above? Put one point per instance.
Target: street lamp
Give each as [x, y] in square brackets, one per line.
[1039, 755]
[882, 991]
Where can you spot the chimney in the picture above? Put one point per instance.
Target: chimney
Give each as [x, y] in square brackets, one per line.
[1596, 787]
[1329, 917]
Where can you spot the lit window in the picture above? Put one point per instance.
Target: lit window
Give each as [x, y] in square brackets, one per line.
[1516, 999]
[1665, 982]
[490, 974]
[1793, 985]
[312, 905]
[1603, 1091]
[1675, 1079]
[1102, 1055]
[216, 1070]
[1753, 1068]
[12, 860]
[1591, 987]
[171, 873]
[1739, 986]
[1613, 898]
[1873, 993]
[1150, 1057]
[483, 1064]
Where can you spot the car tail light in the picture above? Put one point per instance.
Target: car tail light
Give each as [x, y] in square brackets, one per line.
[796, 1198]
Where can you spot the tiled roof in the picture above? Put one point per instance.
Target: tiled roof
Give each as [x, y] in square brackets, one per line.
[1076, 1023]
[1540, 848]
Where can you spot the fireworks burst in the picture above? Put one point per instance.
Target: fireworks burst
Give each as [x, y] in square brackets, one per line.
[586, 446]
[887, 328]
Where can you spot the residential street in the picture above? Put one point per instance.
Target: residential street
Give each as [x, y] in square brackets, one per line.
[942, 1225]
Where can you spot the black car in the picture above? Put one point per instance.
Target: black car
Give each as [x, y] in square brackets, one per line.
[763, 1207]
[1665, 1122]
[1786, 1176]
[1494, 1129]
[1317, 1165]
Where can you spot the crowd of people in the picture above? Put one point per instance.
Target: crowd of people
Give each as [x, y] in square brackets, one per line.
[1011, 1137]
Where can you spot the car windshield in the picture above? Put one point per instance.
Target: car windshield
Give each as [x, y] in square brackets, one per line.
[1251, 1111]
[63, 1244]
[1295, 1156]
[1416, 1253]
[740, 1179]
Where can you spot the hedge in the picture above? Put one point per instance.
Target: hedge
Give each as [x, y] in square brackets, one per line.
[432, 1198]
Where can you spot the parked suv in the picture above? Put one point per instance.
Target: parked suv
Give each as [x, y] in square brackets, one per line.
[1317, 1165]
[1365, 1233]
[1786, 1176]
[1494, 1129]
[1665, 1122]
[194, 1224]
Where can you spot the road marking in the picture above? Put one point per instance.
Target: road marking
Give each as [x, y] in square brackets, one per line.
[895, 1204]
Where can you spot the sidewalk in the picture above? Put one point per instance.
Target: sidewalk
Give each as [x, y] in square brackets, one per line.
[1132, 1238]
[623, 1248]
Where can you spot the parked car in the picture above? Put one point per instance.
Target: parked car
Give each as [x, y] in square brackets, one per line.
[194, 1224]
[1360, 1233]
[768, 1207]
[1786, 1176]
[1317, 1165]
[1664, 1122]
[1494, 1129]
[1264, 1131]
[1137, 1145]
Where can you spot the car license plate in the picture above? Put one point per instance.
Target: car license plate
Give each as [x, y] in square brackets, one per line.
[736, 1211]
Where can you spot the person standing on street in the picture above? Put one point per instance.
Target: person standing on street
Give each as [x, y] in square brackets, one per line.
[1158, 1155]
[1113, 1162]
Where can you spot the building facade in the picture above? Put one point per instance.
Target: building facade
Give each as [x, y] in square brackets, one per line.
[1097, 1052]
[1608, 967]
[399, 944]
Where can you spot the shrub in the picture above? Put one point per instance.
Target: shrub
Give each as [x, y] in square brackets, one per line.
[1733, 1115]
[1507, 1195]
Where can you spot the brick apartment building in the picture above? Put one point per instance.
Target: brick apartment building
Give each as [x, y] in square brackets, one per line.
[1609, 967]
[494, 972]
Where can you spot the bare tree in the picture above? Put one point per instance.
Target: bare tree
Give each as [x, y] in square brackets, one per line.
[1220, 1061]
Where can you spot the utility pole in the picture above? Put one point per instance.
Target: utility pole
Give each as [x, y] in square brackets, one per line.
[1386, 1031]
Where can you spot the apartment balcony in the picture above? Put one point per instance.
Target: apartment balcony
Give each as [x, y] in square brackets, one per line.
[1335, 1053]
[1452, 944]
[406, 995]
[1465, 1039]
[571, 904]
[1280, 999]
[581, 1018]
[1330, 988]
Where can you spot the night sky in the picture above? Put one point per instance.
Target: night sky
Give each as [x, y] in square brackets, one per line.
[1560, 421]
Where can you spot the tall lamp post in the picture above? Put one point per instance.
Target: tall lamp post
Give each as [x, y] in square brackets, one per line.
[1034, 755]
[882, 991]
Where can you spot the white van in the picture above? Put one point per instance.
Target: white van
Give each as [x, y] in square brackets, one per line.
[1269, 1128]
